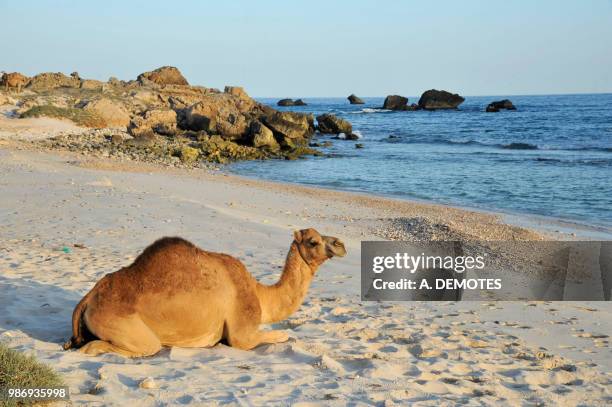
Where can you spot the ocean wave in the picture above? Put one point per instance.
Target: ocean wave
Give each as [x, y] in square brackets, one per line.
[369, 110]
[519, 146]
[505, 146]
[574, 162]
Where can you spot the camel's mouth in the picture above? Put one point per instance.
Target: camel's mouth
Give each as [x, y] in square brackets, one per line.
[334, 246]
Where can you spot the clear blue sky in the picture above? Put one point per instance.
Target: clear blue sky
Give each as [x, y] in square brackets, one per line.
[322, 48]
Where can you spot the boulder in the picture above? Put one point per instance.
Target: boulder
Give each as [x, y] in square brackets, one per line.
[395, 102]
[263, 137]
[354, 100]
[166, 75]
[91, 84]
[332, 124]
[52, 80]
[291, 102]
[500, 104]
[290, 127]
[237, 91]
[6, 100]
[439, 99]
[285, 102]
[112, 112]
[158, 121]
[188, 155]
[220, 113]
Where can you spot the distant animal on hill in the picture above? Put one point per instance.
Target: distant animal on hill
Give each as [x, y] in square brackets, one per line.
[13, 80]
[176, 294]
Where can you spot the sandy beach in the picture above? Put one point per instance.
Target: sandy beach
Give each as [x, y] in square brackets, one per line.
[68, 219]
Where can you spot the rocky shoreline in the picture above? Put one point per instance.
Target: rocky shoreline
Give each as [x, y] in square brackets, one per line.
[160, 116]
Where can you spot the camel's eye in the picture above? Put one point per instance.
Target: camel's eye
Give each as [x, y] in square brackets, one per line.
[313, 243]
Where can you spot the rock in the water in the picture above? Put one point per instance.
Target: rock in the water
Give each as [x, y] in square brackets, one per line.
[395, 102]
[112, 112]
[166, 75]
[263, 137]
[291, 102]
[332, 124]
[354, 100]
[160, 121]
[289, 125]
[285, 102]
[500, 104]
[439, 99]
[358, 145]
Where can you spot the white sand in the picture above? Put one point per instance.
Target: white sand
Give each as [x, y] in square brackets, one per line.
[342, 351]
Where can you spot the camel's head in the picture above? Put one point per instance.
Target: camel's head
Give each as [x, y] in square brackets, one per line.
[315, 249]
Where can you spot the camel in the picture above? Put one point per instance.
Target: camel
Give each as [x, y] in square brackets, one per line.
[176, 294]
[14, 80]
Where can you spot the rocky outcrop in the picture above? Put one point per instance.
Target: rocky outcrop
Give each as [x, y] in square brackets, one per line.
[237, 91]
[290, 129]
[395, 102]
[501, 104]
[439, 99]
[91, 84]
[331, 124]
[166, 75]
[112, 112]
[263, 137]
[154, 121]
[52, 80]
[291, 102]
[220, 113]
[354, 100]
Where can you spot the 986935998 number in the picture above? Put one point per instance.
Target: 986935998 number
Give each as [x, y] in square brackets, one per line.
[35, 393]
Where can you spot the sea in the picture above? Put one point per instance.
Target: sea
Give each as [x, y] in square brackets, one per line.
[551, 157]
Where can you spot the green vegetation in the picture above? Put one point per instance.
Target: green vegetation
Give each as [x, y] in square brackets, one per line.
[19, 370]
[78, 116]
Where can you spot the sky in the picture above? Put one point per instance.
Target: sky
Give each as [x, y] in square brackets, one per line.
[321, 48]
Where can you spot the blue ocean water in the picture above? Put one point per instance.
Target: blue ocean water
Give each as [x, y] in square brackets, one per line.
[464, 157]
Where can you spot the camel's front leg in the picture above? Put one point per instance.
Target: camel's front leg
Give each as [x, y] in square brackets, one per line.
[247, 338]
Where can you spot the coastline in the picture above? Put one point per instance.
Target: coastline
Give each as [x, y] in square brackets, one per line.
[548, 225]
[342, 350]
[549, 228]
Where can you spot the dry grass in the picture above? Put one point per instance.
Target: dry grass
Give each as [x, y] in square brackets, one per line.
[78, 116]
[19, 370]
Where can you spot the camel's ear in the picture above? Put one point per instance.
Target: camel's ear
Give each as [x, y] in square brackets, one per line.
[297, 236]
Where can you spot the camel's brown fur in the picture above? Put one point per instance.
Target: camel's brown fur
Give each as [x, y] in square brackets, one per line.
[14, 80]
[176, 294]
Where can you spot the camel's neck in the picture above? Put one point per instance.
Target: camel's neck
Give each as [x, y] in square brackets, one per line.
[280, 300]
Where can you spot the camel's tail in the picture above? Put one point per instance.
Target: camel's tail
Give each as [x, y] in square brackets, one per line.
[80, 333]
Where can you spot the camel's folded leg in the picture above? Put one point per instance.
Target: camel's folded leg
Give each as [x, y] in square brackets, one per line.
[249, 339]
[128, 336]
[98, 347]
